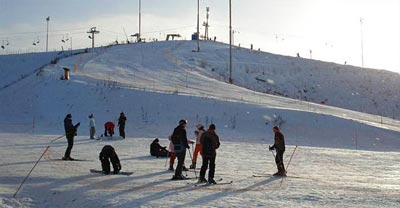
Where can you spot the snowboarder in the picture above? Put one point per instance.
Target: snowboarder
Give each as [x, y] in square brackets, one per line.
[157, 150]
[121, 124]
[279, 146]
[92, 126]
[200, 131]
[209, 142]
[106, 155]
[70, 133]
[109, 128]
[179, 139]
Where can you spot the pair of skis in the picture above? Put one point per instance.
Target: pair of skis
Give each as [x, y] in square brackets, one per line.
[219, 183]
[287, 167]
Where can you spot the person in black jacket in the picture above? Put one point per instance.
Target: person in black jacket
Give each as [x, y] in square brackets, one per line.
[279, 146]
[179, 139]
[70, 133]
[108, 154]
[157, 150]
[121, 124]
[209, 143]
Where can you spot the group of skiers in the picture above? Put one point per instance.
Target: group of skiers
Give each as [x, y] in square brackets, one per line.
[71, 130]
[207, 142]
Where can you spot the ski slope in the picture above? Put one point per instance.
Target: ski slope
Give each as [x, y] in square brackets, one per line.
[345, 159]
[318, 177]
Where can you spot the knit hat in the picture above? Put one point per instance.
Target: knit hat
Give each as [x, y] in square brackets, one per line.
[183, 121]
[212, 127]
[199, 126]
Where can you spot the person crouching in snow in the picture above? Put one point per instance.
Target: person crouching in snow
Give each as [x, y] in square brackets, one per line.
[198, 133]
[108, 155]
[109, 128]
[92, 126]
[157, 150]
[279, 146]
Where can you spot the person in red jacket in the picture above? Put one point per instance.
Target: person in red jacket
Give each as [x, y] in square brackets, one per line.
[109, 128]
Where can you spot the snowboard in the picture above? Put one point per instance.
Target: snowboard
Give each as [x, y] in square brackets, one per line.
[120, 173]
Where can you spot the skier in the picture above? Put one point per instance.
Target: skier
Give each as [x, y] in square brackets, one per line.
[70, 133]
[179, 139]
[172, 156]
[157, 150]
[200, 131]
[279, 146]
[209, 142]
[92, 126]
[109, 128]
[121, 124]
[106, 155]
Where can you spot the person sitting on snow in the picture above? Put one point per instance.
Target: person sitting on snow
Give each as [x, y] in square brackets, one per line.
[157, 150]
[108, 154]
[109, 128]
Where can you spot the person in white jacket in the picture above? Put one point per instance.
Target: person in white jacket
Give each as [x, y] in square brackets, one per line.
[92, 126]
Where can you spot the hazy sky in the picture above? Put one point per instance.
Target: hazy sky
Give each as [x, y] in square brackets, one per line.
[330, 28]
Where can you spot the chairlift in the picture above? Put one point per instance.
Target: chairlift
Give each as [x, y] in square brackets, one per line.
[2, 46]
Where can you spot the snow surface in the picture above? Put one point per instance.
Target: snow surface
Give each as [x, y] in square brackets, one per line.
[345, 159]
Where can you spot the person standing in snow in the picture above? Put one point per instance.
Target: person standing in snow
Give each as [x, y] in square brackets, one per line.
[109, 128]
[279, 146]
[121, 124]
[70, 133]
[108, 155]
[209, 142]
[180, 141]
[200, 131]
[92, 126]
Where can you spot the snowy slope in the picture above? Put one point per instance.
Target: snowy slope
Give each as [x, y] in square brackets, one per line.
[360, 89]
[155, 89]
[318, 177]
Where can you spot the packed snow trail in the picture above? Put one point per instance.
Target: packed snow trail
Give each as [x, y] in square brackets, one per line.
[322, 177]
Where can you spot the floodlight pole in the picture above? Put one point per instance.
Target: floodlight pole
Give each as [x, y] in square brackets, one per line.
[362, 42]
[230, 41]
[140, 21]
[198, 26]
[47, 36]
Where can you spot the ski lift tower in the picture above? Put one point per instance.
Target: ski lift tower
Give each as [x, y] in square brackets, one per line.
[205, 24]
[93, 31]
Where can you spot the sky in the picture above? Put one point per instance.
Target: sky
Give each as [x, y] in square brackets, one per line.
[328, 30]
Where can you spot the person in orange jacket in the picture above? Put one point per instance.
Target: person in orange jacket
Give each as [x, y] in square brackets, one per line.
[199, 132]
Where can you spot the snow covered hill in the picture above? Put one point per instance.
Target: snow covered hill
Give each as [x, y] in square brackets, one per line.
[360, 89]
[155, 89]
[157, 84]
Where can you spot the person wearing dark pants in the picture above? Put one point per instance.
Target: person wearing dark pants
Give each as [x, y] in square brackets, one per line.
[179, 139]
[70, 133]
[209, 143]
[108, 155]
[121, 124]
[279, 146]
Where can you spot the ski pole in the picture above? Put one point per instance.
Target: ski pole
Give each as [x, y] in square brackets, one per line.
[272, 152]
[27, 176]
[194, 169]
[166, 160]
[53, 140]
